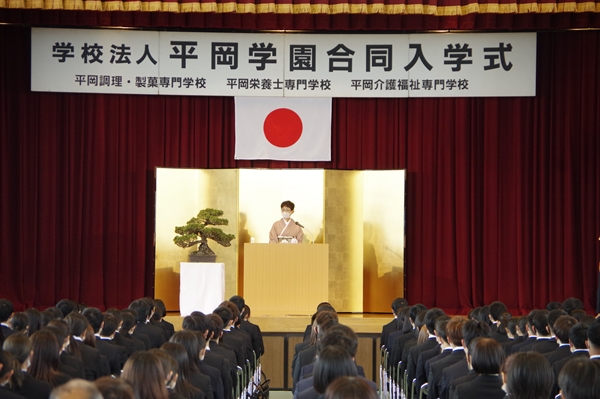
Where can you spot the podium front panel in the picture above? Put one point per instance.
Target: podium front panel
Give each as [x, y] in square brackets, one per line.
[285, 279]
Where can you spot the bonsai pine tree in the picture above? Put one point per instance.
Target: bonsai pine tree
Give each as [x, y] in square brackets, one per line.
[198, 231]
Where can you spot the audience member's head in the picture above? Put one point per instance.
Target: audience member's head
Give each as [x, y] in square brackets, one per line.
[181, 354]
[472, 329]
[333, 362]
[145, 373]
[76, 389]
[94, 317]
[539, 323]
[398, 304]
[430, 317]
[593, 334]
[528, 376]
[238, 301]
[350, 388]
[523, 320]
[580, 379]
[19, 348]
[44, 357]
[487, 356]
[340, 335]
[562, 326]
[440, 329]
[496, 309]
[6, 310]
[454, 331]
[66, 306]
[578, 336]
[553, 306]
[19, 322]
[6, 367]
[143, 310]
[35, 320]
[114, 388]
[571, 304]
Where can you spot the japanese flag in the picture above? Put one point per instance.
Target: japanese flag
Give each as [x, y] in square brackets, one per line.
[286, 129]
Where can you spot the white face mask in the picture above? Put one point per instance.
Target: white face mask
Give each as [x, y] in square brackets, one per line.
[286, 215]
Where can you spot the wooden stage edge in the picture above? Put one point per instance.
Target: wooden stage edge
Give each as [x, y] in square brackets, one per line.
[361, 323]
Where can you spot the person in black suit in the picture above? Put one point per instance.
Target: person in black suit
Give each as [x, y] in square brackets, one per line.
[239, 333]
[127, 329]
[160, 311]
[514, 334]
[94, 363]
[21, 382]
[544, 343]
[228, 338]
[44, 359]
[454, 333]
[485, 357]
[145, 373]
[67, 306]
[432, 355]
[6, 372]
[431, 342]
[215, 324]
[68, 364]
[144, 309]
[561, 329]
[187, 367]
[594, 340]
[527, 375]
[247, 326]
[497, 309]
[397, 305]
[580, 379]
[531, 337]
[397, 346]
[6, 310]
[104, 331]
[578, 340]
[470, 330]
[119, 338]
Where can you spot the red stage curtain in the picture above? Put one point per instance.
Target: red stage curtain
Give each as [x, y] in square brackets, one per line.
[502, 193]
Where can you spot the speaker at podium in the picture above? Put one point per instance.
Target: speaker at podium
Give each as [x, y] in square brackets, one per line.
[282, 279]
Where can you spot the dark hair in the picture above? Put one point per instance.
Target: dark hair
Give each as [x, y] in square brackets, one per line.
[186, 365]
[333, 362]
[60, 329]
[6, 309]
[512, 324]
[238, 301]
[224, 313]
[553, 315]
[216, 325]
[115, 312]
[562, 326]
[430, 318]
[403, 318]
[397, 304]
[342, 336]
[578, 314]
[593, 334]
[145, 373]
[487, 356]
[45, 317]
[580, 379]
[523, 320]
[188, 341]
[66, 306]
[114, 388]
[94, 317]
[35, 320]
[234, 309]
[44, 360]
[245, 312]
[553, 306]
[160, 305]
[420, 320]
[578, 336]
[528, 376]
[110, 325]
[77, 323]
[496, 309]
[472, 329]
[415, 310]
[539, 320]
[350, 388]
[169, 365]
[19, 347]
[19, 322]
[55, 312]
[484, 315]
[440, 326]
[142, 309]
[289, 204]
[6, 362]
[128, 323]
[454, 330]
[571, 304]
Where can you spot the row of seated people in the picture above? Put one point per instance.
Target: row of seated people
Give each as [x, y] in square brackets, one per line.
[328, 353]
[68, 344]
[426, 349]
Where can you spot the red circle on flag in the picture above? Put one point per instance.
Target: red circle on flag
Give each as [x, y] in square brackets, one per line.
[283, 127]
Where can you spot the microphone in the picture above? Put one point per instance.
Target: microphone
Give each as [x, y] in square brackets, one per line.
[299, 225]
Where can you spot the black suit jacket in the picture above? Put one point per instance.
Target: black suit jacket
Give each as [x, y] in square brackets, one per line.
[256, 336]
[398, 346]
[126, 343]
[306, 357]
[141, 337]
[524, 346]
[557, 367]
[467, 378]
[6, 393]
[484, 386]
[74, 367]
[33, 388]
[202, 382]
[155, 334]
[228, 375]
[413, 357]
[451, 373]
[559, 353]
[115, 354]
[247, 341]
[238, 347]
[228, 354]
[387, 329]
[424, 357]
[94, 363]
[507, 345]
[435, 373]
[544, 346]
[216, 381]
[499, 336]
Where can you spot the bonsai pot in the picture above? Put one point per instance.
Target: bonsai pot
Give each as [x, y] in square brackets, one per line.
[202, 258]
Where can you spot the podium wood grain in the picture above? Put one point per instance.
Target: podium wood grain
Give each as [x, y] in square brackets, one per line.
[285, 279]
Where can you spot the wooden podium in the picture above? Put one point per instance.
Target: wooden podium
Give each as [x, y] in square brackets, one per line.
[285, 279]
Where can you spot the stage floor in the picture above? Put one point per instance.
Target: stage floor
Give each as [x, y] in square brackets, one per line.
[360, 323]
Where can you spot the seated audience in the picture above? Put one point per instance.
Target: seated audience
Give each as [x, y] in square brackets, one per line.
[45, 359]
[580, 379]
[145, 373]
[527, 375]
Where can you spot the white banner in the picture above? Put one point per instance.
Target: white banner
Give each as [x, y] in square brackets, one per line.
[277, 65]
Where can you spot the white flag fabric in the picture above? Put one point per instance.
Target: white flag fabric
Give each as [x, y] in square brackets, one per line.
[281, 128]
